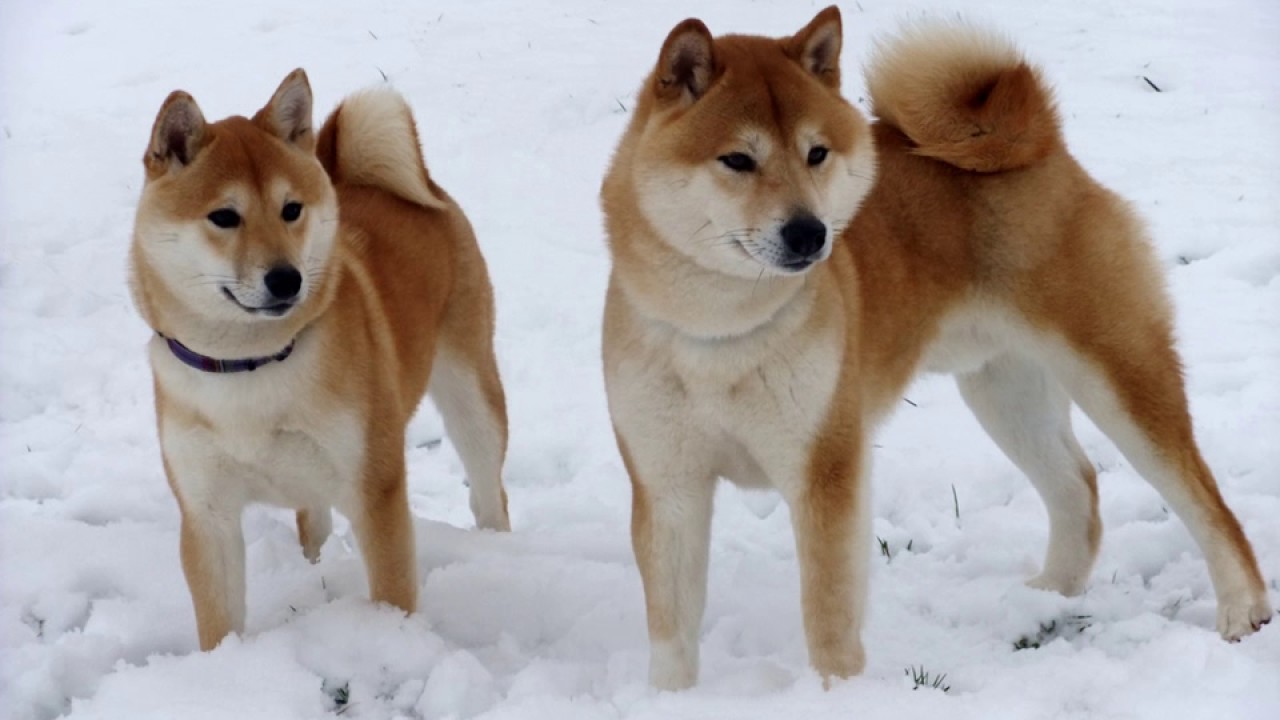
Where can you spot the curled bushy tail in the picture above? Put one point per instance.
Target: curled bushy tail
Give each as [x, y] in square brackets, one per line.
[965, 96]
[370, 139]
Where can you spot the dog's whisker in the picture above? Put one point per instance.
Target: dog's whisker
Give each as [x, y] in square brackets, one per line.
[733, 234]
[694, 234]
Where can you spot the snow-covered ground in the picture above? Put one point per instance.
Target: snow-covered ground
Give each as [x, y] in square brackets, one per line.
[519, 106]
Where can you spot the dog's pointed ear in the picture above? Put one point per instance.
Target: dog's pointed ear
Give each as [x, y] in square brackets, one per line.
[177, 135]
[288, 114]
[817, 47]
[687, 65]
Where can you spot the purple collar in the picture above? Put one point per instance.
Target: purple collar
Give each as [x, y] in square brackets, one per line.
[213, 365]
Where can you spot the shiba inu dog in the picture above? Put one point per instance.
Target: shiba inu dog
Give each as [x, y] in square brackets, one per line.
[306, 290]
[782, 269]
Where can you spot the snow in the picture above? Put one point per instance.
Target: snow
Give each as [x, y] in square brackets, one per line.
[519, 105]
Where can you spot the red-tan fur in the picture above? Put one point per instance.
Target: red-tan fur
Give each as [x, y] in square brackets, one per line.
[403, 287]
[982, 249]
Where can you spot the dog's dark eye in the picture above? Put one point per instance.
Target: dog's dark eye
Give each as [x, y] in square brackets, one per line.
[738, 162]
[817, 155]
[291, 211]
[225, 218]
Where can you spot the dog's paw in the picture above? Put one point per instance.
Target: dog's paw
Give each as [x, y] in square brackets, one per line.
[1243, 616]
[490, 513]
[1063, 584]
[494, 518]
[311, 551]
[314, 527]
[838, 663]
[671, 668]
[496, 523]
[490, 509]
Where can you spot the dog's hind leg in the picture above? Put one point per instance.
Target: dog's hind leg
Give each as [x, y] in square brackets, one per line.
[468, 393]
[1131, 386]
[1028, 415]
[467, 390]
[314, 526]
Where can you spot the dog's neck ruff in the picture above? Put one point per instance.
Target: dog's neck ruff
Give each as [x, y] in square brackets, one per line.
[194, 359]
[784, 313]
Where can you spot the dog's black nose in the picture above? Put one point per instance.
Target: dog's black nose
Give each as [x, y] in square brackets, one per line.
[804, 235]
[283, 282]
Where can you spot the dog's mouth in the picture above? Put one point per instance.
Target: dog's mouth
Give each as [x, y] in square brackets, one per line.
[275, 309]
[788, 264]
[797, 265]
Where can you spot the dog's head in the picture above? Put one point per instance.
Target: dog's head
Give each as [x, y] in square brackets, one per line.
[237, 218]
[749, 160]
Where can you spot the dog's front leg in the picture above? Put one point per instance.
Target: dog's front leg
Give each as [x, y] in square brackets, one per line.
[671, 536]
[384, 526]
[212, 542]
[831, 516]
[212, 547]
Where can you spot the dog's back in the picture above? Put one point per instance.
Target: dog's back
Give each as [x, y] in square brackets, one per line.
[402, 234]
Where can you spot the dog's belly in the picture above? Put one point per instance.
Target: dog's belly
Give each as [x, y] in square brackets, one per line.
[738, 465]
[966, 340]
